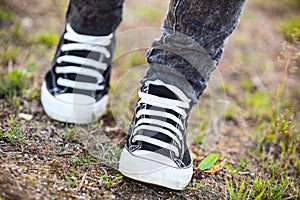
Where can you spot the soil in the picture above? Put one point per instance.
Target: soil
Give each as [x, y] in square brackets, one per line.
[57, 160]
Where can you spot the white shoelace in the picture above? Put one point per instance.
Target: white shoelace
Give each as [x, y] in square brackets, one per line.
[88, 43]
[178, 106]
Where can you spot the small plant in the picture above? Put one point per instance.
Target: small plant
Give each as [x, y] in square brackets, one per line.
[80, 160]
[259, 104]
[208, 162]
[5, 14]
[18, 35]
[278, 144]
[290, 27]
[232, 111]
[262, 188]
[71, 178]
[283, 135]
[289, 56]
[242, 167]
[70, 133]
[15, 82]
[110, 181]
[10, 53]
[227, 88]
[195, 185]
[12, 135]
[247, 85]
[48, 39]
[271, 188]
[203, 126]
[238, 191]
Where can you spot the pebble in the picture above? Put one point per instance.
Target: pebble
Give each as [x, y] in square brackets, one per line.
[27, 117]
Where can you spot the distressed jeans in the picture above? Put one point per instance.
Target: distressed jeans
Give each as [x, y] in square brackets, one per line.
[191, 45]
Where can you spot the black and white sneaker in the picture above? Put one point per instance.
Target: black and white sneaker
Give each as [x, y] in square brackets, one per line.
[156, 150]
[75, 88]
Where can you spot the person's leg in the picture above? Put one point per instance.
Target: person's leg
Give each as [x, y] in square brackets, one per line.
[75, 88]
[180, 62]
[193, 30]
[95, 17]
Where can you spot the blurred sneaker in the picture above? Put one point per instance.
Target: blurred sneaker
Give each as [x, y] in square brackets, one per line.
[156, 151]
[75, 88]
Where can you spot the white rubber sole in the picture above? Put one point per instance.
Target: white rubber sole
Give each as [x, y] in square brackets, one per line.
[71, 111]
[149, 171]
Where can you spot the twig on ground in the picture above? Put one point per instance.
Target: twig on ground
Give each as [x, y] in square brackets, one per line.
[82, 182]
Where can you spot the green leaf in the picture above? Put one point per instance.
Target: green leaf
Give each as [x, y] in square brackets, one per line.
[208, 162]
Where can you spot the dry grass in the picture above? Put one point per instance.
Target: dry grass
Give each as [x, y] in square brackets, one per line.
[44, 159]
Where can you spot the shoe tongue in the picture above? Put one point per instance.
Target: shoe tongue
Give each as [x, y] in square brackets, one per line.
[161, 91]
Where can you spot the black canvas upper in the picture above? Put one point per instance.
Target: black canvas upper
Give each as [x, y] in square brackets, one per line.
[183, 160]
[52, 77]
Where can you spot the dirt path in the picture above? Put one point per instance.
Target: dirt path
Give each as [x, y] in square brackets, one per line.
[44, 159]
